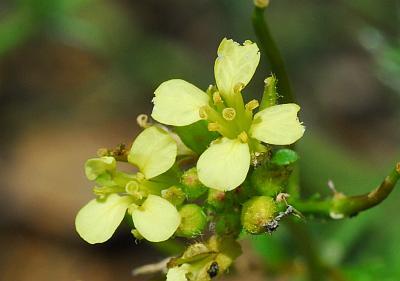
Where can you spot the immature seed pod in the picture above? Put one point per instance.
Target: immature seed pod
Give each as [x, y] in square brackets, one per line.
[258, 212]
[193, 221]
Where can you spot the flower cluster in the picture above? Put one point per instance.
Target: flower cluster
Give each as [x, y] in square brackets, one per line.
[217, 164]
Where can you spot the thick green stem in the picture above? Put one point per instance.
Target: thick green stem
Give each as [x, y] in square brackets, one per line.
[341, 206]
[268, 47]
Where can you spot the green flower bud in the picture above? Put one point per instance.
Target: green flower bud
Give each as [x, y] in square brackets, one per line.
[216, 198]
[193, 221]
[257, 212]
[269, 180]
[191, 185]
[174, 194]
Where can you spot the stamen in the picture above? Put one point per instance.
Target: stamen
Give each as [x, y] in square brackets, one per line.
[142, 121]
[213, 127]
[203, 112]
[251, 105]
[238, 87]
[243, 137]
[229, 113]
[217, 98]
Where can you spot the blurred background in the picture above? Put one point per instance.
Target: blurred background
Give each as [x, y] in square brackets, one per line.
[74, 74]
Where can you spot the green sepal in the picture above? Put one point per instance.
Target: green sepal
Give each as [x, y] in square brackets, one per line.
[196, 136]
[283, 157]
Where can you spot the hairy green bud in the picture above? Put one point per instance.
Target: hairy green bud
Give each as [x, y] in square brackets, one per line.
[257, 213]
[191, 185]
[173, 194]
[217, 198]
[269, 180]
[193, 221]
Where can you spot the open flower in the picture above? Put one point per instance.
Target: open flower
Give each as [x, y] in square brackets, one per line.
[225, 164]
[155, 218]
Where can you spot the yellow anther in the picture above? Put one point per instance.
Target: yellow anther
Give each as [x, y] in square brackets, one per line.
[203, 112]
[217, 98]
[261, 3]
[243, 137]
[238, 87]
[142, 121]
[229, 113]
[251, 105]
[213, 127]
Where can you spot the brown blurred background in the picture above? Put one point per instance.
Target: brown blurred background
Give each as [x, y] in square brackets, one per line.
[74, 74]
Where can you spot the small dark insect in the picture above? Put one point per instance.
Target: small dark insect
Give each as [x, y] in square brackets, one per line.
[213, 270]
[271, 226]
[274, 224]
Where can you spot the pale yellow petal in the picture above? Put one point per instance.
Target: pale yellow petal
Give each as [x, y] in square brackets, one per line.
[157, 219]
[224, 165]
[153, 152]
[178, 273]
[278, 125]
[235, 64]
[177, 103]
[97, 221]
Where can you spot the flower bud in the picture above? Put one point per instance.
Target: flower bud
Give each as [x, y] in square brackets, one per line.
[191, 185]
[258, 212]
[269, 181]
[173, 194]
[216, 198]
[193, 221]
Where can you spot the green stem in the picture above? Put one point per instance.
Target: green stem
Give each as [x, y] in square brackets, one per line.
[341, 206]
[268, 46]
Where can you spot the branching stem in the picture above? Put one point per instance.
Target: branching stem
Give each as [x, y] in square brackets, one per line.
[341, 206]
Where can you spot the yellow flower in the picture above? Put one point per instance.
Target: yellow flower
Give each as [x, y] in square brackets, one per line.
[225, 164]
[156, 219]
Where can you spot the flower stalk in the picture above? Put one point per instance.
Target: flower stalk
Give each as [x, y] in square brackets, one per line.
[341, 206]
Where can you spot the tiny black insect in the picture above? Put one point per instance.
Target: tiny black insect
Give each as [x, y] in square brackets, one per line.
[213, 270]
[272, 226]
